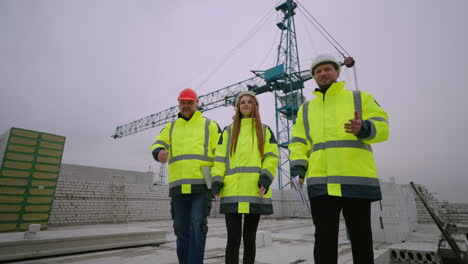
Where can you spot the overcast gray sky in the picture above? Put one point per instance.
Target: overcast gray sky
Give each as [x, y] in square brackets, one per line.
[81, 68]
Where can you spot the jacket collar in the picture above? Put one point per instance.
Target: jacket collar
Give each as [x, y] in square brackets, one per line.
[195, 116]
[247, 121]
[334, 89]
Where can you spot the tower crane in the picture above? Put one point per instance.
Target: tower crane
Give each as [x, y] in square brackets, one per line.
[285, 81]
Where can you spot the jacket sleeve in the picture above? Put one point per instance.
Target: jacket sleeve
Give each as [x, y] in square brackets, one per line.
[270, 158]
[219, 169]
[299, 145]
[215, 133]
[162, 140]
[377, 118]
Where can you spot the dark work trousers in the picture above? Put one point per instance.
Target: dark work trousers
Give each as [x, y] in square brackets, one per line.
[234, 231]
[326, 217]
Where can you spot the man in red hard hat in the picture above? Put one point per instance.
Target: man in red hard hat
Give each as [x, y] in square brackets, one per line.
[188, 143]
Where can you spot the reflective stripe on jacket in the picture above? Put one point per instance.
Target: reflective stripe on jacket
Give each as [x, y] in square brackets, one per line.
[240, 172]
[338, 163]
[191, 145]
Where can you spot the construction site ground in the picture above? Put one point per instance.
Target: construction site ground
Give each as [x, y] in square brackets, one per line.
[292, 242]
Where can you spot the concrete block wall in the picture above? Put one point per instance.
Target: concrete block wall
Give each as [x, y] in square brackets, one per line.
[394, 217]
[81, 202]
[91, 202]
[72, 171]
[291, 205]
[88, 202]
[456, 213]
[277, 204]
[423, 215]
[147, 202]
[116, 199]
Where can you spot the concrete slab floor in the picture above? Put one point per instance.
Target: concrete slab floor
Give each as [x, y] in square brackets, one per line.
[292, 244]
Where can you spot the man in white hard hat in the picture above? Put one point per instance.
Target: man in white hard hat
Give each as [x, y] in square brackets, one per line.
[331, 149]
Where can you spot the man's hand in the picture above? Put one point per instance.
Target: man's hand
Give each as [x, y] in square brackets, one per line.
[162, 156]
[354, 125]
[301, 181]
[298, 171]
[216, 196]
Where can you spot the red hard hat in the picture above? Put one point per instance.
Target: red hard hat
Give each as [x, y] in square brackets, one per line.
[188, 94]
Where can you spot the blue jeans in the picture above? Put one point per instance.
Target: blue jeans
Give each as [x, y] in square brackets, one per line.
[189, 212]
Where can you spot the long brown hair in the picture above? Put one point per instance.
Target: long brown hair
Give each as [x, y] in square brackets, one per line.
[256, 126]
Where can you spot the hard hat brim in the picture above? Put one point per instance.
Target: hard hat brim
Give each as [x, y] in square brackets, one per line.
[187, 98]
[245, 93]
[315, 65]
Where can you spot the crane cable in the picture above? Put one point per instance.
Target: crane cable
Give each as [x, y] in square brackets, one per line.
[269, 51]
[330, 40]
[236, 48]
[323, 31]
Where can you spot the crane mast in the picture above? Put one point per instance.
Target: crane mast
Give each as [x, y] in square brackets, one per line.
[287, 87]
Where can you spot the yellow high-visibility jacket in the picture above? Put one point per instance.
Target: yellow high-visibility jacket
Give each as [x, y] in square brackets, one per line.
[241, 172]
[338, 163]
[191, 145]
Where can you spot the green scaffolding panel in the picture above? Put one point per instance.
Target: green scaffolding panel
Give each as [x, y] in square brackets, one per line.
[30, 164]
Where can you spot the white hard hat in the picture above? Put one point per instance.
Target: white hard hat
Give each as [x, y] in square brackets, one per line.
[324, 58]
[242, 94]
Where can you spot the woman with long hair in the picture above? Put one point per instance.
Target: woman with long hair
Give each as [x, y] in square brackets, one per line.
[245, 164]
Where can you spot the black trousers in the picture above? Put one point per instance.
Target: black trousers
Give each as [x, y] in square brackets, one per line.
[326, 217]
[234, 233]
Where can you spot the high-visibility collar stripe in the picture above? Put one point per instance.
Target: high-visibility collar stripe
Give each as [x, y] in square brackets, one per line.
[218, 178]
[357, 102]
[342, 144]
[249, 199]
[298, 140]
[242, 170]
[190, 157]
[186, 181]
[350, 180]
[160, 142]
[220, 159]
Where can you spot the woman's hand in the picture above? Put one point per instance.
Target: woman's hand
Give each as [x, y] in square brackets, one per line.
[261, 192]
